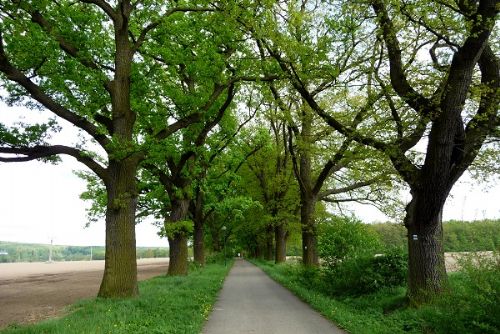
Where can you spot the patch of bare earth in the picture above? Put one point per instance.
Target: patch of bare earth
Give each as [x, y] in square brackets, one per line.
[30, 292]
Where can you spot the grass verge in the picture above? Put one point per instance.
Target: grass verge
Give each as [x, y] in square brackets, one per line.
[466, 309]
[165, 305]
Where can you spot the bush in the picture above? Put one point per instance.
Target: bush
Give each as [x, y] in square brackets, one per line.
[350, 266]
[473, 303]
[217, 257]
[366, 274]
[343, 238]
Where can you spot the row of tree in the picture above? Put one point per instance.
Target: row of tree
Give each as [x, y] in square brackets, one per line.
[353, 100]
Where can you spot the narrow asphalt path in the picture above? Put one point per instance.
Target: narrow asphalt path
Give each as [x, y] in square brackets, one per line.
[251, 302]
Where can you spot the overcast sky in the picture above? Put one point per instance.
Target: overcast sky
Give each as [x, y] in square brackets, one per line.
[40, 201]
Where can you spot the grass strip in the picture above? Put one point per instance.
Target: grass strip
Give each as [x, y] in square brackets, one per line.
[355, 315]
[471, 306]
[166, 305]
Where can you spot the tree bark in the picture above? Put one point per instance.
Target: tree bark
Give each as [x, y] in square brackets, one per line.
[426, 264]
[309, 239]
[120, 269]
[178, 263]
[269, 243]
[178, 250]
[199, 233]
[280, 241]
[199, 243]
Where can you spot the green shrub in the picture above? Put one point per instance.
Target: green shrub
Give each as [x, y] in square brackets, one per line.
[217, 257]
[341, 238]
[350, 266]
[473, 303]
[385, 271]
[366, 274]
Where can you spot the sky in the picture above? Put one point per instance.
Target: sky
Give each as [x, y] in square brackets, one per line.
[40, 202]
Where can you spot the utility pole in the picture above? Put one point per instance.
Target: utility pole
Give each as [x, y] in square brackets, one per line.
[50, 249]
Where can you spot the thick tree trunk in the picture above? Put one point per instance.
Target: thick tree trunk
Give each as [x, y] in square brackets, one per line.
[258, 252]
[199, 244]
[178, 263]
[309, 239]
[178, 250]
[199, 233]
[426, 267]
[280, 241]
[269, 243]
[120, 269]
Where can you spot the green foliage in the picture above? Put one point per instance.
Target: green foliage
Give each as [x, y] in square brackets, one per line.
[473, 302]
[483, 235]
[366, 274]
[218, 257]
[350, 267]
[459, 236]
[171, 229]
[471, 306]
[179, 304]
[342, 238]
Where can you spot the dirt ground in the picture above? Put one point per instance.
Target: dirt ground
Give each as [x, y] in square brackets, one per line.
[30, 292]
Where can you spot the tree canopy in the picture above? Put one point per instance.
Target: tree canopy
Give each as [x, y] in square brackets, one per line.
[261, 118]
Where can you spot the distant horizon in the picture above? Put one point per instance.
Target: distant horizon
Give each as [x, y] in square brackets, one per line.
[66, 245]
[166, 247]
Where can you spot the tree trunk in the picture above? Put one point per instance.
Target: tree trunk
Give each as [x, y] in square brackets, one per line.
[426, 264]
[258, 252]
[120, 269]
[178, 262]
[280, 236]
[269, 243]
[198, 242]
[309, 240]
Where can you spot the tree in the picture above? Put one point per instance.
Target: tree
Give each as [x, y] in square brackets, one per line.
[458, 112]
[98, 82]
[218, 144]
[210, 75]
[325, 162]
[272, 170]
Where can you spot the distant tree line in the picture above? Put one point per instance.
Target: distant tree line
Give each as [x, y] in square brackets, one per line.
[18, 252]
[459, 236]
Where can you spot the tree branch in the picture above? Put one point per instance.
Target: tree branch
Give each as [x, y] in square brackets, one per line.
[487, 120]
[36, 93]
[66, 46]
[106, 7]
[398, 78]
[210, 125]
[38, 152]
[154, 25]
[348, 188]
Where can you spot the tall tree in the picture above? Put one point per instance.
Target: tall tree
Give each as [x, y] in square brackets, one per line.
[300, 42]
[436, 95]
[211, 67]
[98, 82]
[272, 169]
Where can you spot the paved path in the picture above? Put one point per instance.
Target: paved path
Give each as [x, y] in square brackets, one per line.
[251, 302]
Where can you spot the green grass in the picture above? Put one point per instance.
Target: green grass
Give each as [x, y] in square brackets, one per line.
[165, 305]
[470, 306]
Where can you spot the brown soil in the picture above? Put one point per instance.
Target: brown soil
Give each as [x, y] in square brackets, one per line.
[30, 292]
